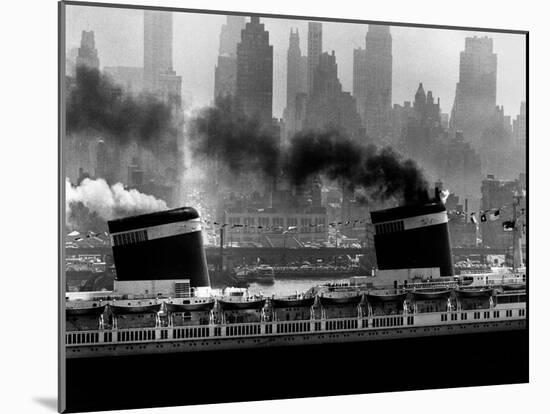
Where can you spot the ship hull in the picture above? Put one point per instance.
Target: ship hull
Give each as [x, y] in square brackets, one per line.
[384, 365]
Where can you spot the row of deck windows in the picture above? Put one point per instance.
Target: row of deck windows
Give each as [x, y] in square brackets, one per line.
[82, 338]
[383, 322]
[191, 333]
[243, 330]
[124, 336]
[293, 327]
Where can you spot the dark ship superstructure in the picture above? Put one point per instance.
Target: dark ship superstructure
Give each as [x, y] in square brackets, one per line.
[162, 301]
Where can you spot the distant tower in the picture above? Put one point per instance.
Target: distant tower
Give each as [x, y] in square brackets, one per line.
[360, 80]
[87, 53]
[255, 71]
[420, 98]
[476, 90]
[328, 105]
[314, 50]
[158, 73]
[296, 81]
[520, 127]
[225, 81]
[379, 82]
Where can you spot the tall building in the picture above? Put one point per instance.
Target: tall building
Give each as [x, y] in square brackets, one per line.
[314, 50]
[378, 104]
[225, 80]
[360, 80]
[328, 106]
[160, 79]
[419, 133]
[519, 127]
[476, 90]
[159, 76]
[255, 71]
[296, 82]
[230, 34]
[424, 127]
[401, 114]
[87, 53]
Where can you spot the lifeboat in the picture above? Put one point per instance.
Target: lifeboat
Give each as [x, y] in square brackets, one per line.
[386, 297]
[125, 308]
[513, 286]
[188, 306]
[474, 293]
[241, 304]
[431, 294]
[340, 300]
[292, 302]
[87, 309]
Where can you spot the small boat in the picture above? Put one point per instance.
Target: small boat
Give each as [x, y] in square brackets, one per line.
[430, 294]
[341, 300]
[93, 309]
[124, 308]
[514, 286]
[241, 304]
[188, 306]
[473, 293]
[386, 296]
[292, 302]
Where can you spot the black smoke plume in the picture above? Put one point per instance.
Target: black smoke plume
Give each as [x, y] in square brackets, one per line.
[95, 103]
[382, 173]
[225, 134]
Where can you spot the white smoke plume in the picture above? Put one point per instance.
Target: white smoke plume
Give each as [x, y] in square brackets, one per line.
[109, 202]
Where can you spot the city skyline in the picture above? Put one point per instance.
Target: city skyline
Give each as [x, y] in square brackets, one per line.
[430, 56]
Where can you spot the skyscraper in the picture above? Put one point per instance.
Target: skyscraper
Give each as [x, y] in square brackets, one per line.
[520, 127]
[225, 81]
[378, 102]
[328, 106]
[230, 34]
[255, 71]
[296, 81]
[475, 98]
[360, 80]
[314, 50]
[423, 127]
[158, 73]
[87, 53]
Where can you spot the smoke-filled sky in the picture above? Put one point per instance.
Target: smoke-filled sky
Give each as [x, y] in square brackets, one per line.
[422, 55]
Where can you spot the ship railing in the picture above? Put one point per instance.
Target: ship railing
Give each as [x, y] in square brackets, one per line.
[297, 327]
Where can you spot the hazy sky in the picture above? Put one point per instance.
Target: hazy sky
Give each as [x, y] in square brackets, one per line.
[422, 55]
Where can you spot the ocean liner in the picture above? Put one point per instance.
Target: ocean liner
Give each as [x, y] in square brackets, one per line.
[162, 301]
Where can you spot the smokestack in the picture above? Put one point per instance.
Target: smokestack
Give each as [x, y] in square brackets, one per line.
[166, 245]
[412, 237]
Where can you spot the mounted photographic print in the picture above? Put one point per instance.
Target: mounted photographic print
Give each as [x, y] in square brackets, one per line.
[259, 207]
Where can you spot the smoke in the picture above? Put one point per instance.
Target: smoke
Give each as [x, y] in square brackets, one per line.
[96, 103]
[224, 134]
[381, 173]
[104, 202]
